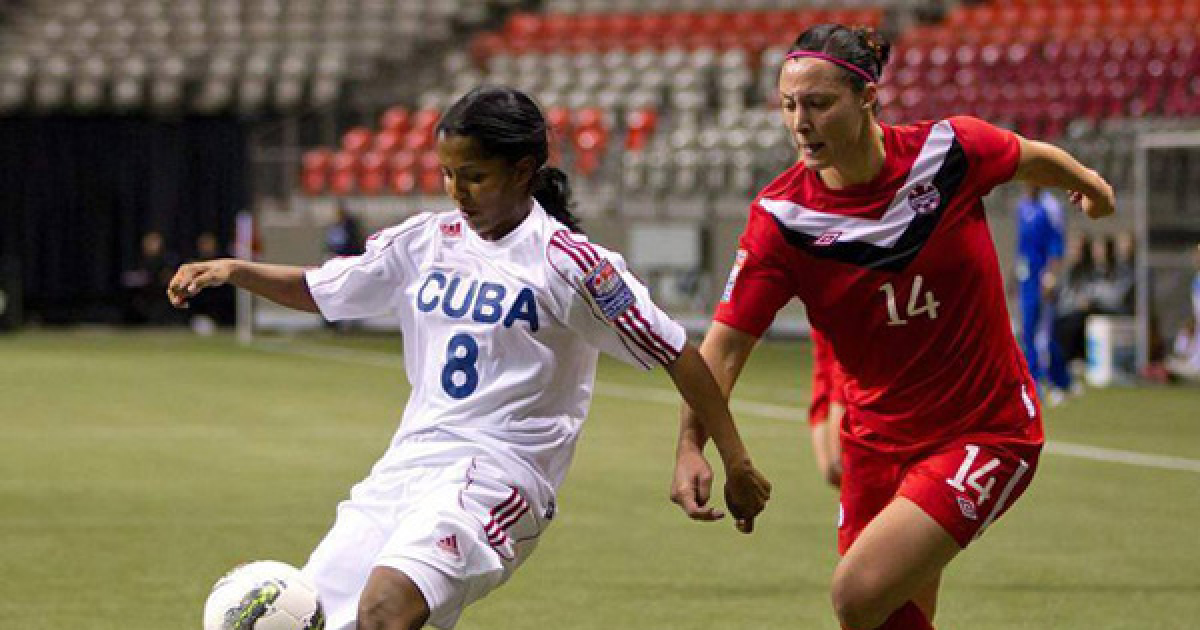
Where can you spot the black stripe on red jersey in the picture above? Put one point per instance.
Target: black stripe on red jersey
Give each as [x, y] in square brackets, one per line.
[898, 256]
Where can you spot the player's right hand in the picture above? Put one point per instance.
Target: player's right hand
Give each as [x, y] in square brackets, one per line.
[192, 278]
[746, 493]
[692, 487]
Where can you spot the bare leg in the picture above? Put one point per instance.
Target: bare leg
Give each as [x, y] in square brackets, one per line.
[926, 598]
[391, 601]
[895, 559]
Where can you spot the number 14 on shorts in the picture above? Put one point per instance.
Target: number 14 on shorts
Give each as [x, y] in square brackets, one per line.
[977, 480]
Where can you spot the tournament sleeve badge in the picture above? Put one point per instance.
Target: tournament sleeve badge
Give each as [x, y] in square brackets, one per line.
[608, 290]
[738, 261]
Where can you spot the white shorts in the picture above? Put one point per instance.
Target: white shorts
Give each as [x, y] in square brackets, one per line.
[456, 531]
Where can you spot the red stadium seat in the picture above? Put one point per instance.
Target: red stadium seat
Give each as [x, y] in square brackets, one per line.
[318, 159]
[559, 119]
[589, 150]
[345, 160]
[425, 119]
[388, 141]
[402, 182]
[430, 179]
[345, 168]
[641, 124]
[357, 139]
[395, 119]
[343, 182]
[372, 177]
[314, 174]
[589, 118]
[403, 178]
[484, 45]
[313, 182]
[524, 26]
[418, 140]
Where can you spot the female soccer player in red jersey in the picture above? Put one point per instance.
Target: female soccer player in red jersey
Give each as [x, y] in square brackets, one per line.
[880, 231]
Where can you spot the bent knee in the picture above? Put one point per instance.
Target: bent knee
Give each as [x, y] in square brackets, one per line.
[861, 602]
[391, 602]
[384, 615]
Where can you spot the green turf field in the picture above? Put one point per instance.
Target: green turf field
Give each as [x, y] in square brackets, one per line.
[136, 468]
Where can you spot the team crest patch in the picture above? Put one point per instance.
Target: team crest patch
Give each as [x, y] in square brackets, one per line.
[738, 261]
[608, 289]
[452, 230]
[828, 238]
[924, 198]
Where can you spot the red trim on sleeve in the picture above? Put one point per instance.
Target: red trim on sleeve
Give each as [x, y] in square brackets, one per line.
[631, 324]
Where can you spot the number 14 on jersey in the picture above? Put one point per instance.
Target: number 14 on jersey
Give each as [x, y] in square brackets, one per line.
[915, 309]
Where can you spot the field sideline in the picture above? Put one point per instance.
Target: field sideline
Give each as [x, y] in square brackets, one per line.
[137, 467]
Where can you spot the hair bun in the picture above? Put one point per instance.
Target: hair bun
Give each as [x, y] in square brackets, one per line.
[879, 46]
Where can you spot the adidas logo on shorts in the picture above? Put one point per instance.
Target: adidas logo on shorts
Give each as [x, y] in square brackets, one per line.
[449, 545]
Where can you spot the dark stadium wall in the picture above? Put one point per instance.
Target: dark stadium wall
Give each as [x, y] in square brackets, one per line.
[77, 194]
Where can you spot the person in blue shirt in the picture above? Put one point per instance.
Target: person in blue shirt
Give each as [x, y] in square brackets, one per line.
[1040, 228]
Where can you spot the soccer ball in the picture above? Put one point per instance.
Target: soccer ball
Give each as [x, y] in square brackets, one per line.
[264, 595]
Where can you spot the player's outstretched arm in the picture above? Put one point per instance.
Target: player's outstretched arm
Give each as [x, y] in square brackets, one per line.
[282, 284]
[705, 414]
[1048, 165]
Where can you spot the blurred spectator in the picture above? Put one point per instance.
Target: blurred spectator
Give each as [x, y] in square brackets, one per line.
[1074, 301]
[1196, 284]
[146, 284]
[1105, 290]
[344, 237]
[1185, 360]
[214, 307]
[1040, 225]
[1125, 274]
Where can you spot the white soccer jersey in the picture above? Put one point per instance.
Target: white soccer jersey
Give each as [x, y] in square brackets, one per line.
[500, 337]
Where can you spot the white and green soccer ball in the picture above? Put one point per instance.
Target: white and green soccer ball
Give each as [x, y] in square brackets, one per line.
[264, 595]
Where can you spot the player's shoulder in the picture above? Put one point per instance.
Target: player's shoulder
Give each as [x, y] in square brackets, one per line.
[420, 226]
[406, 228]
[785, 185]
[970, 130]
[573, 254]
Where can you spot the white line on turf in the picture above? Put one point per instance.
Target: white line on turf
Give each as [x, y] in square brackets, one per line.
[753, 408]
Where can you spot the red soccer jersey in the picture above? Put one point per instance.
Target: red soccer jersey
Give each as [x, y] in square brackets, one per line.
[900, 275]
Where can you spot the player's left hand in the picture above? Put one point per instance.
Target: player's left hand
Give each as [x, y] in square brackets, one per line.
[746, 493]
[1099, 205]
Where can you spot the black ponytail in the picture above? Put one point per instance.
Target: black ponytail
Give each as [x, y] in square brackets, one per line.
[508, 124]
[553, 191]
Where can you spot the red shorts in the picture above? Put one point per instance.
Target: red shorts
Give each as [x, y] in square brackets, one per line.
[964, 484]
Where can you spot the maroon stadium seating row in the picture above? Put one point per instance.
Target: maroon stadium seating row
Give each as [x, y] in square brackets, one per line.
[531, 32]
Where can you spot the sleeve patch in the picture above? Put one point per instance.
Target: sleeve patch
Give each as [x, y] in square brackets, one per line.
[738, 261]
[605, 285]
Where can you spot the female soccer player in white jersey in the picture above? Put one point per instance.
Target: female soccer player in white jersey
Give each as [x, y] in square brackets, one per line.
[880, 231]
[504, 308]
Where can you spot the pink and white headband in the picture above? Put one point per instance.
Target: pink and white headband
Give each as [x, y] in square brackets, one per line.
[866, 76]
